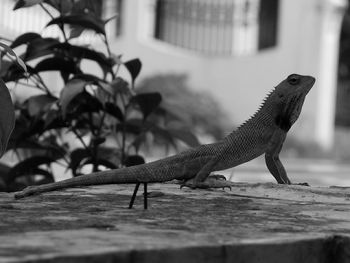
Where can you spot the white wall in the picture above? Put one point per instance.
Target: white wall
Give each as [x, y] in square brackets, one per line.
[240, 83]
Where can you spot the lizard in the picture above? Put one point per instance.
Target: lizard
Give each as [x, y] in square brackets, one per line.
[263, 133]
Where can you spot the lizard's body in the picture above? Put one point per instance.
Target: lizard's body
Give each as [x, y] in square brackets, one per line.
[264, 132]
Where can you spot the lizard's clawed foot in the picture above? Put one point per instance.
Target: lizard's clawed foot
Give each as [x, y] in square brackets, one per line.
[215, 181]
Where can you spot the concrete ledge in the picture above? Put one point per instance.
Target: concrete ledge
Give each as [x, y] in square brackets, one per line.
[251, 223]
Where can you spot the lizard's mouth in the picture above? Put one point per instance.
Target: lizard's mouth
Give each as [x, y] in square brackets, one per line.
[296, 102]
[304, 89]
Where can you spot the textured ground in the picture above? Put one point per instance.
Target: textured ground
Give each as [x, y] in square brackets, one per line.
[251, 223]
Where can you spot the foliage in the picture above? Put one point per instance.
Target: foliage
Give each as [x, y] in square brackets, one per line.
[188, 108]
[109, 118]
[7, 113]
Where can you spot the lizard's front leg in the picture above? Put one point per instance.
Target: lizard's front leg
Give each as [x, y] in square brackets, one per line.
[203, 179]
[272, 159]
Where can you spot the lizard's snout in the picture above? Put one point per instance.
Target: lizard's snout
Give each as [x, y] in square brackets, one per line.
[306, 84]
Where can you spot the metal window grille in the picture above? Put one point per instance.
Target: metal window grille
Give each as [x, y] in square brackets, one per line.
[113, 8]
[33, 19]
[268, 17]
[118, 25]
[219, 27]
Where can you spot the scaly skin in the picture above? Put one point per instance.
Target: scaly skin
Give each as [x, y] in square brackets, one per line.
[263, 133]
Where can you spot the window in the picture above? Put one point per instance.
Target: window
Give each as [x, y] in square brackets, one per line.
[268, 23]
[34, 19]
[113, 8]
[220, 27]
[118, 19]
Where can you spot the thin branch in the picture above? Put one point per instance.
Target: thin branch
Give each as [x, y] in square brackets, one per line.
[46, 10]
[105, 41]
[41, 81]
[80, 138]
[61, 25]
[27, 84]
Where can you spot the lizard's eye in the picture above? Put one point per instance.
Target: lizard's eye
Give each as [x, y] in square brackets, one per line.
[293, 79]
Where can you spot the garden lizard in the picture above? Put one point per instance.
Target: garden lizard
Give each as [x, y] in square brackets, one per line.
[263, 133]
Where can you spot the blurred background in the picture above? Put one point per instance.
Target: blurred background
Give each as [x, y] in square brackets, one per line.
[215, 60]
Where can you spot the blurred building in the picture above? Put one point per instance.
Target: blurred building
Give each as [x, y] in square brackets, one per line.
[237, 50]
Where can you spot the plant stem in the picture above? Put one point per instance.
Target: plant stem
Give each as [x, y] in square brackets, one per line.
[105, 40]
[80, 138]
[123, 148]
[46, 10]
[61, 25]
[40, 80]
[27, 84]
[94, 150]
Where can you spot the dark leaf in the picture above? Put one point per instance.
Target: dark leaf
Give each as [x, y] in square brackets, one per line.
[119, 86]
[77, 53]
[34, 145]
[132, 160]
[112, 154]
[185, 136]
[134, 67]
[24, 39]
[15, 73]
[162, 136]
[81, 104]
[19, 142]
[40, 47]
[9, 51]
[7, 117]
[65, 76]
[54, 120]
[133, 126]
[57, 64]
[48, 147]
[48, 177]
[4, 67]
[76, 157]
[29, 126]
[88, 78]
[69, 92]
[98, 140]
[29, 166]
[86, 21]
[102, 162]
[62, 6]
[76, 31]
[148, 102]
[26, 3]
[36, 127]
[4, 170]
[40, 103]
[139, 127]
[139, 140]
[114, 110]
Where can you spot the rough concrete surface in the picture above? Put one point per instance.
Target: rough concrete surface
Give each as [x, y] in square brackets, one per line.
[250, 223]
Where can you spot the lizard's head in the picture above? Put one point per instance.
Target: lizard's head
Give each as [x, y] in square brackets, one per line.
[289, 97]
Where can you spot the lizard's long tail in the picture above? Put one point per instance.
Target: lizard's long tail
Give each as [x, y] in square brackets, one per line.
[132, 174]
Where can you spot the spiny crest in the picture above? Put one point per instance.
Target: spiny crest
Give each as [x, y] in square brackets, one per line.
[258, 110]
